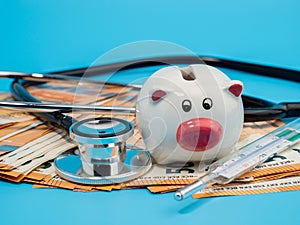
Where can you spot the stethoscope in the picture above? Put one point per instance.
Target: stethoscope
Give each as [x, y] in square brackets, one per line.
[103, 156]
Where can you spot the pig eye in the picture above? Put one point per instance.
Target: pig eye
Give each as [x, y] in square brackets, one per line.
[207, 103]
[186, 105]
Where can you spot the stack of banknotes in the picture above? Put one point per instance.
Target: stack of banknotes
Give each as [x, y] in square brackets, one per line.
[28, 147]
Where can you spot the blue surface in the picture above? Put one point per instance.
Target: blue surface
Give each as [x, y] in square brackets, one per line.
[46, 36]
[37, 206]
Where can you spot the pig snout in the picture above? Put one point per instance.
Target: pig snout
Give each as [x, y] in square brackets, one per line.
[199, 134]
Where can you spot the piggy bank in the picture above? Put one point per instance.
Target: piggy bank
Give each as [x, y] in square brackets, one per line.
[189, 114]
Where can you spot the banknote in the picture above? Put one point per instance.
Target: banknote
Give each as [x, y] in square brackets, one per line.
[160, 189]
[285, 164]
[10, 117]
[289, 183]
[17, 164]
[286, 161]
[277, 185]
[259, 127]
[18, 168]
[16, 135]
[33, 161]
[164, 177]
[175, 174]
[45, 176]
[159, 174]
[171, 188]
[71, 92]
[24, 162]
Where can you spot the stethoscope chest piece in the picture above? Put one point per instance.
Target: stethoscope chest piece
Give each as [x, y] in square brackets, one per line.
[102, 156]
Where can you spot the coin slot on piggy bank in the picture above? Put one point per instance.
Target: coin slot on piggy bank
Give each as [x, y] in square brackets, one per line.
[200, 111]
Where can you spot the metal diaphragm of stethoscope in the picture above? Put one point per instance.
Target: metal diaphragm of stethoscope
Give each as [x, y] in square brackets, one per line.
[103, 157]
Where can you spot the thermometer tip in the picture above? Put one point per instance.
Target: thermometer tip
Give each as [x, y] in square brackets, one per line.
[178, 196]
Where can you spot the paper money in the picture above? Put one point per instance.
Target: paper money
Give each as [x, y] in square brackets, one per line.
[278, 185]
[9, 117]
[183, 174]
[17, 164]
[164, 188]
[291, 183]
[260, 127]
[287, 161]
[33, 161]
[71, 92]
[45, 177]
[285, 164]
[18, 134]
[24, 163]
[169, 177]
[15, 169]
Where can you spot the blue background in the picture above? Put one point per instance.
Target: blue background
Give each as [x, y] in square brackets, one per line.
[43, 36]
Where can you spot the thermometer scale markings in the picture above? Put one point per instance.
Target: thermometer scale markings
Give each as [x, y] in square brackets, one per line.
[246, 151]
[261, 153]
[234, 165]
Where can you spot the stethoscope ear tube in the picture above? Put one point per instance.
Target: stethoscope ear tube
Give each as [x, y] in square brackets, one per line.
[261, 114]
[256, 109]
[293, 109]
[269, 71]
[277, 111]
[56, 117]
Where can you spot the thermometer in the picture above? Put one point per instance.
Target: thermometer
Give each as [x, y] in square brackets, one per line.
[245, 159]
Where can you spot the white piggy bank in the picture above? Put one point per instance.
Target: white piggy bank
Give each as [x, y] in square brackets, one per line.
[189, 114]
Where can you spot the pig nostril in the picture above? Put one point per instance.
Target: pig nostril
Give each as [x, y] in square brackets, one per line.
[199, 134]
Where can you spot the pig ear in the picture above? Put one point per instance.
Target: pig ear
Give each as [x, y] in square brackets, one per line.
[158, 95]
[235, 87]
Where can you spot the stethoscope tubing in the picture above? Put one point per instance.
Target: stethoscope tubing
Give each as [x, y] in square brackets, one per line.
[258, 69]
[50, 107]
[265, 110]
